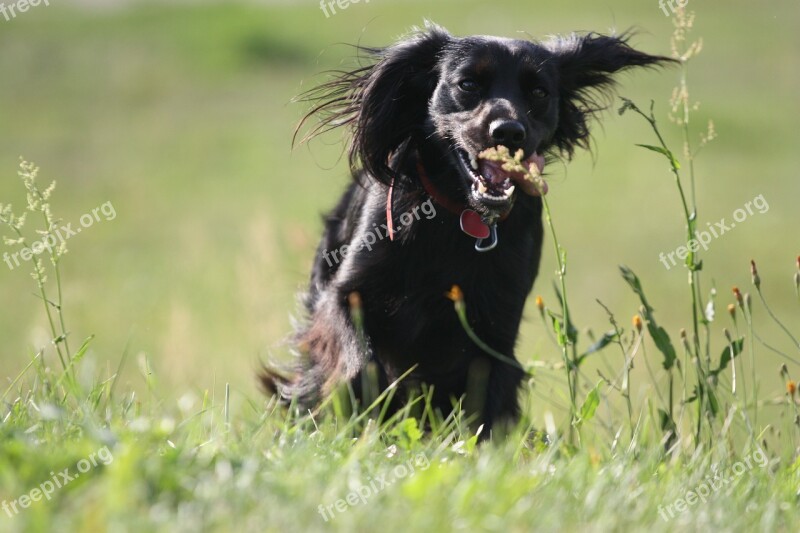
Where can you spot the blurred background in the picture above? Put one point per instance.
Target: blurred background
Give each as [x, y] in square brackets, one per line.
[180, 115]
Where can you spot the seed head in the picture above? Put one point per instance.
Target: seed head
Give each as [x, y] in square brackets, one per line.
[754, 274]
[685, 340]
[727, 334]
[738, 295]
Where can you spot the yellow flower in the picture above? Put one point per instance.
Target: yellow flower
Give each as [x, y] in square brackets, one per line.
[637, 323]
[791, 387]
[354, 299]
[455, 294]
[540, 303]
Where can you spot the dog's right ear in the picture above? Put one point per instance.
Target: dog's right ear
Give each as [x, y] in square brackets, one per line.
[384, 103]
[393, 102]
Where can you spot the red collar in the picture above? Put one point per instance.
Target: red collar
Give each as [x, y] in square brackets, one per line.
[469, 219]
[445, 201]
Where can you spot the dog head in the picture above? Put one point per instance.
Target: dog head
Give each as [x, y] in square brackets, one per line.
[449, 98]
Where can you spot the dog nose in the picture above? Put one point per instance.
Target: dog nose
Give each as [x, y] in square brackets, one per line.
[510, 133]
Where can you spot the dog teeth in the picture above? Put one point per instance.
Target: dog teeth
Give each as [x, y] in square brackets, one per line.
[483, 192]
[473, 162]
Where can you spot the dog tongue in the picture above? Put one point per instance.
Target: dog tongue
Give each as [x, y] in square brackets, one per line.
[493, 172]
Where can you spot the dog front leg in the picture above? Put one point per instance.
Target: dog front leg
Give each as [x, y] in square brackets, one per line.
[501, 410]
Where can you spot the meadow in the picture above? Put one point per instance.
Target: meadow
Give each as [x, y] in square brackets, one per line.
[170, 126]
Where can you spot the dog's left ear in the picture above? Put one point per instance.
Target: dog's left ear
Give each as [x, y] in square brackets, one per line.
[586, 66]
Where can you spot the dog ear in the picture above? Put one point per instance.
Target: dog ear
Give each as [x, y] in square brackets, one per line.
[586, 65]
[393, 101]
[383, 103]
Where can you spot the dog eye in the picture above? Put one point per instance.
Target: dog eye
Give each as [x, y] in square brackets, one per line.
[539, 92]
[469, 86]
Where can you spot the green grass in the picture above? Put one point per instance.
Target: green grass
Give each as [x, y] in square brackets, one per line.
[181, 117]
[183, 469]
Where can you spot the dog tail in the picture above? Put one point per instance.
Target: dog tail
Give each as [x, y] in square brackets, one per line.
[301, 387]
[274, 381]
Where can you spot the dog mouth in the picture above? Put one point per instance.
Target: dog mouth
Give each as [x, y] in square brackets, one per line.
[492, 186]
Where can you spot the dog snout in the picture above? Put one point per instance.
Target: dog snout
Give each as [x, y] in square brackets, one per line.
[509, 133]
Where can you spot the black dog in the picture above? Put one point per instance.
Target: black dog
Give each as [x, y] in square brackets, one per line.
[419, 115]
